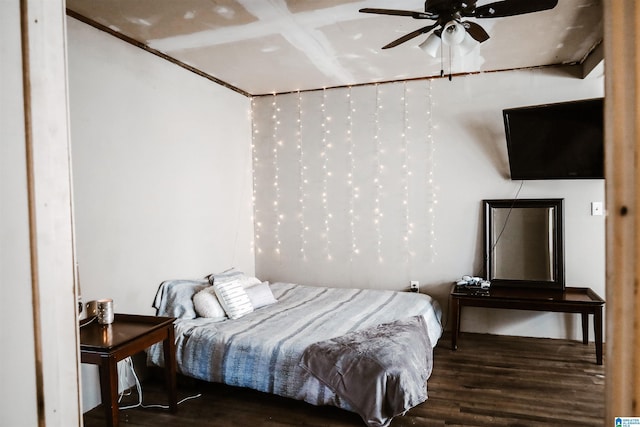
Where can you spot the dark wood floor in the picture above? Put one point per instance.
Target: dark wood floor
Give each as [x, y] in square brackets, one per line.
[490, 381]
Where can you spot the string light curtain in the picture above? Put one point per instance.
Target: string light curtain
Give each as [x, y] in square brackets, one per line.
[360, 189]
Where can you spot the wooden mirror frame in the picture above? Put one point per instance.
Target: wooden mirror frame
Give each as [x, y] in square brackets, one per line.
[557, 237]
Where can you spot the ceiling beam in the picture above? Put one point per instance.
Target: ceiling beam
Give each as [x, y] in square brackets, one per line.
[593, 64]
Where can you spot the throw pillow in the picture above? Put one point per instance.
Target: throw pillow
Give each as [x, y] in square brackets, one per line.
[233, 299]
[207, 305]
[260, 295]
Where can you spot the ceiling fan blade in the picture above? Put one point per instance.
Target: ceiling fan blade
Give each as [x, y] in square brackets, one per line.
[437, 6]
[513, 7]
[467, 7]
[409, 36]
[414, 15]
[475, 31]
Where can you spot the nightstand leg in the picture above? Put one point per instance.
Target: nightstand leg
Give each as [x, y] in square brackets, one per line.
[169, 348]
[109, 389]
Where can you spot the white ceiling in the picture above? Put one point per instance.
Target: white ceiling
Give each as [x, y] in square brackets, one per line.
[276, 46]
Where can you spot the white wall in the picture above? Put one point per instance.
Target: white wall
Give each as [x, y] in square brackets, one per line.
[16, 315]
[162, 172]
[412, 207]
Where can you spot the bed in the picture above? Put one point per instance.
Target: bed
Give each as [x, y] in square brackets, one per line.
[316, 344]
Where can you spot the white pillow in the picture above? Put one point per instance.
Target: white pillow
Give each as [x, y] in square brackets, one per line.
[260, 295]
[233, 299]
[231, 275]
[207, 305]
[248, 281]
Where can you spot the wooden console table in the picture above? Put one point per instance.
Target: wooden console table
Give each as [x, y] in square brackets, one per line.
[106, 345]
[572, 300]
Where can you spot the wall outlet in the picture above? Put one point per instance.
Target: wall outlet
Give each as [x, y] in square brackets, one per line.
[414, 286]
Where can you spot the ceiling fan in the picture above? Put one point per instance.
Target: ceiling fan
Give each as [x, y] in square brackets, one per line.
[449, 27]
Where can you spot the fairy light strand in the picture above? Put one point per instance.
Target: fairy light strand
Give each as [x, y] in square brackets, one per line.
[353, 189]
[406, 173]
[256, 248]
[431, 187]
[377, 212]
[277, 143]
[326, 174]
[302, 179]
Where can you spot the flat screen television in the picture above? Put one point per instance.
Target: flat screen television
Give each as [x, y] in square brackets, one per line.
[556, 141]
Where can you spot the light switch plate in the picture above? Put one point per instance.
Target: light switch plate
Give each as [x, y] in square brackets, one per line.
[597, 209]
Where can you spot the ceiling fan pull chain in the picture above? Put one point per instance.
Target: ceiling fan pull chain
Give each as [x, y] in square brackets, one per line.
[450, 62]
[441, 58]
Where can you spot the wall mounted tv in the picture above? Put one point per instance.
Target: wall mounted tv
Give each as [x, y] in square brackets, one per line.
[556, 141]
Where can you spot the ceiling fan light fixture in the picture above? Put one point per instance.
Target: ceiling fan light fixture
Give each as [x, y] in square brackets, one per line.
[430, 45]
[467, 45]
[453, 33]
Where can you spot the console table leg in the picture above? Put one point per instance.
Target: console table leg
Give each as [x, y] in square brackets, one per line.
[597, 326]
[455, 322]
[585, 327]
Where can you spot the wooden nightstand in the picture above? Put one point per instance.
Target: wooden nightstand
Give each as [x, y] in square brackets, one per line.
[571, 300]
[106, 345]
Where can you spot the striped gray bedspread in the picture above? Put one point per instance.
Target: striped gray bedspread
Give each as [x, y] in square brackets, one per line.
[262, 350]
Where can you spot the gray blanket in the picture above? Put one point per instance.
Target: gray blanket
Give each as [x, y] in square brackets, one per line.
[378, 380]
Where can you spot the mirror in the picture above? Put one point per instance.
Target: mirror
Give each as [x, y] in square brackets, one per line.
[523, 243]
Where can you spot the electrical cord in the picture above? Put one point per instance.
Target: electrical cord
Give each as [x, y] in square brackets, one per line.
[493, 247]
[515, 198]
[443, 325]
[129, 363]
[86, 322]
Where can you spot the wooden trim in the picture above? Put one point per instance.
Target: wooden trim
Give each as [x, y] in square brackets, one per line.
[33, 245]
[153, 51]
[47, 166]
[622, 154]
[578, 74]
[593, 60]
